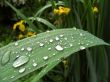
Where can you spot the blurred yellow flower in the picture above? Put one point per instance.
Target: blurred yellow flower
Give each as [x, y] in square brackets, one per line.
[61, 10]
[20, 36]
[19, 25]
[95, 9]
[31, 33]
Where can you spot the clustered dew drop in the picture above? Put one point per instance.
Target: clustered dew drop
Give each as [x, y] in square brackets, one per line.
[59, 48]
[22, 70]
[20, 61]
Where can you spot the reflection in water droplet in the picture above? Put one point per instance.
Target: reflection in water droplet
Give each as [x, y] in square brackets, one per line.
[45, 57]
[22, 70]
[16, 43]
[6, 57]
[59, 48]
[41, 44]
[20, 61]
[29, 49]
[34, 64]
[82, 47]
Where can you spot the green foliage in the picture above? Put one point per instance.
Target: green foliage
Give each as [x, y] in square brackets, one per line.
[41, 50]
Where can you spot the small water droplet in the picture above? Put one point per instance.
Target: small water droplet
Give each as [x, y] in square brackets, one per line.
[61, 35]
[41, 44]
[6, 57]
[34, 64]
[49, 48]
[45, 57]
[51, 40]
[87, 44]
[12, 76]
[20, 61]
[71, 45]
[65, 38]
[82, 47]
[22, 49]
[16, 43]
[59, 48]
[57, 38]
[74, 28]
[22, 70]
[53, 54]
[29, 49]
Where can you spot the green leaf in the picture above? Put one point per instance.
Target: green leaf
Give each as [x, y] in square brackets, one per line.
[32, 53]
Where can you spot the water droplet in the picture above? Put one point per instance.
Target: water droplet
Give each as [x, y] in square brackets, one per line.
[41, 44]
[34, 64]
[6, 57]
[82, 47]
[81, 34]
[29, 49]
[53, 54]
[71, 45]
[51, 40]
[59, 48]
[16, 43]
[49, 48]
[12, 76]
[45, 57]
[22, 70]
[20, 61]
[61, 35]
[22, 49]
[74, 28]
[65, 38]
[57, 38]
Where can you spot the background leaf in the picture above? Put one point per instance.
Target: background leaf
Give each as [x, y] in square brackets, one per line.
[35, 52]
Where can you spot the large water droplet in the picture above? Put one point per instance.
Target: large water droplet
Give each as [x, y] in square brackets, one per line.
[6, 57]
[20, 61]
[59, 48]
[22, 70]
[29, 49]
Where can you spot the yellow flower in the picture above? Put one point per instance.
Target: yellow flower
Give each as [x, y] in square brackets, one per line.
[19, 25]
[95, 9]
[61, 10]
[31, 33]
[55, 11]
[20, 36]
